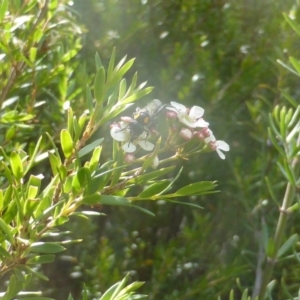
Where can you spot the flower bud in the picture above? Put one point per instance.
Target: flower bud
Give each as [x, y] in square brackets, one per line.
[186, 134]
[155, 162]
[130, 158]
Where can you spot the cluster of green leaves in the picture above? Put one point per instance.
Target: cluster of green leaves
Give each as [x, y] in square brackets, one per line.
[35, 199]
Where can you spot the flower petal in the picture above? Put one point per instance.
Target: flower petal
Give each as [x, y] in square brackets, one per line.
[146, 145]
[119, 134]
[196, 112]
[220, 153]
[179, 107]
[129, 147]
[222, 145]
[185, 119]
[201, 123]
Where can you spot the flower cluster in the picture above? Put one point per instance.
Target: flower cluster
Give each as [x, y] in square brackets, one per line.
[192, 119]
[133, 134]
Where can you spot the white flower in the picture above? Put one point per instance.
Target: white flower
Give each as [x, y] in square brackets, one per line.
[191, 118]
[121, 133]
[217, 145]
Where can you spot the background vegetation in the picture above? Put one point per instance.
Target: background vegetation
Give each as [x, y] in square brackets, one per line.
[229, 57]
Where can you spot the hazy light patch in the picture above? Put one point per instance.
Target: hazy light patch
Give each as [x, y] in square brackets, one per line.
[244, 49]
[113, 34]
[66, 105]
[204, 43]
[163, 34]
[196, 77]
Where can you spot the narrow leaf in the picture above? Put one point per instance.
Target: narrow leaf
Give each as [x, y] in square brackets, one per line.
[196, 188]
[295, 64]
[90, 147]
[289, 243]
[292, 23]
[16, 165]
[66, 143]
[99, 86]
[114, 200]
[45, 247]
[98, 61]
[41, 259]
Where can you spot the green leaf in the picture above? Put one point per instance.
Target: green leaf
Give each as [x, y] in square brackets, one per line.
[145, 178]
[1, 200]
[131, 287]
[10, 133]
[196, 188]
[146, 211]
[7, 231]
[41, 259]
[45, 247]
[107, 295]
[122, 89]
[119, 287]
[292, 23]
[118, 171]
[91, 199]
[120, 73]
[70, 297]
[99, 86]
[36, 298]
[137, 95]
[98, 61]
[3, 9]
[154, 189]
[69, 55]
[4, 253]
[245, 295]
[289, 243]
[55, 163]
[89, 100]
[95, 159]
[114, 200]
[81, 125]
[81, 179]
[185, 203]
[275, 142]
[12, 289]
[32, 54]
[66, 143]
[30, 206]
[287, 67]
[29, 6]
[37, 274]
[295, 64]
[16, 165]
[111, 64]
[70, 120]
[34, 155]
[90, 147]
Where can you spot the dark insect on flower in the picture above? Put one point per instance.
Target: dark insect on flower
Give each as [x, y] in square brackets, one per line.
[147, 116]
[140, 125]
